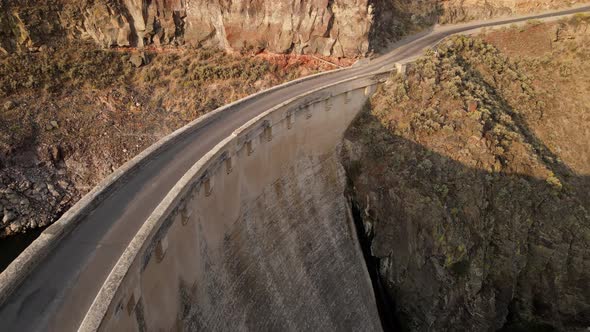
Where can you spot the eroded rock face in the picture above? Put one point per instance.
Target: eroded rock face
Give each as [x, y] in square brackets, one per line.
[326, 27]
[475, 219]
[25, 25]
[466, 10]
[342, 28]
[29, 197]
[395, 19]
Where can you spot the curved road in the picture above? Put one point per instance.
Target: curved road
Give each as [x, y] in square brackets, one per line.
[58, 293]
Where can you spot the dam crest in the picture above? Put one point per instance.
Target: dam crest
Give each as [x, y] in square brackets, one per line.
[256, 235]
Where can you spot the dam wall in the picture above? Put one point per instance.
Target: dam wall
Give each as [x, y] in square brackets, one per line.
[256, 235]
[21, 268]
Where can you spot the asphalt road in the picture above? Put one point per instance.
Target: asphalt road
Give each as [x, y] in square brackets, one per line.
[61, 289]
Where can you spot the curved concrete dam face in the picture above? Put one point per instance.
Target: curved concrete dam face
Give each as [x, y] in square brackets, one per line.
[257, 236]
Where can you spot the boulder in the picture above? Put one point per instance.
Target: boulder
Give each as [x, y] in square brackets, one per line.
[8, 105]
[8, 216]
[137, 60]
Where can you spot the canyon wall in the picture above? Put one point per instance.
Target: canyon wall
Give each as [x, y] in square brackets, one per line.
[339, 28]
[471, 181]
[393, 19]
[311, 26]
[466, 10]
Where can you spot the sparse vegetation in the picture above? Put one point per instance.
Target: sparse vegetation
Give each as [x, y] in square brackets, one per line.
[474, 167]
[81, 112]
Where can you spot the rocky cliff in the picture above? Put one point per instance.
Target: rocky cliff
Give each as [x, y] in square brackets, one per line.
[470, 175]
[341, 28]
[393, 19]
[466, 10]
[325, 27]
[311, 26]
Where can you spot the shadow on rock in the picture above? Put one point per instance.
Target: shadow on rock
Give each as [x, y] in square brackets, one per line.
[459, 245]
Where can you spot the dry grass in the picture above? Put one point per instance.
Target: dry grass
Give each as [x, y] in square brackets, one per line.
[475, 166]
[95, 110]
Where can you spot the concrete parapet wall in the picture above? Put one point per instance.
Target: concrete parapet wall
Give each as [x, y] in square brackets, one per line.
[254, 235]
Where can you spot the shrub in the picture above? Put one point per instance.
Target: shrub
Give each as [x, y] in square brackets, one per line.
[461, 268]
[554, 182]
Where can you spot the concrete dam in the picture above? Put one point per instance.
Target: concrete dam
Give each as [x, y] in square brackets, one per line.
[256, 236]
[237, 221]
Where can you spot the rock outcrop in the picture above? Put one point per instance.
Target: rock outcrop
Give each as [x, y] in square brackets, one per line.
[310, 26]
[475, 219]
[466, 10]
[340, 28]
[31, 196]
[25, 25]
[395, 19]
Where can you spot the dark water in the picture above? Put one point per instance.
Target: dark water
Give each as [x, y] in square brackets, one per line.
[12, 246]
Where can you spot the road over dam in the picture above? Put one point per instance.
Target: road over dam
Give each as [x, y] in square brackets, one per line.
[105, 264]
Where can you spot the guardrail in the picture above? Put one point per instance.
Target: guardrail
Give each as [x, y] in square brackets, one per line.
[13, 276]
[199, 177]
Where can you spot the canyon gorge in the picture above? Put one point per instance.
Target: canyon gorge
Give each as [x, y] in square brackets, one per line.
[339, 28]
[466, 176]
